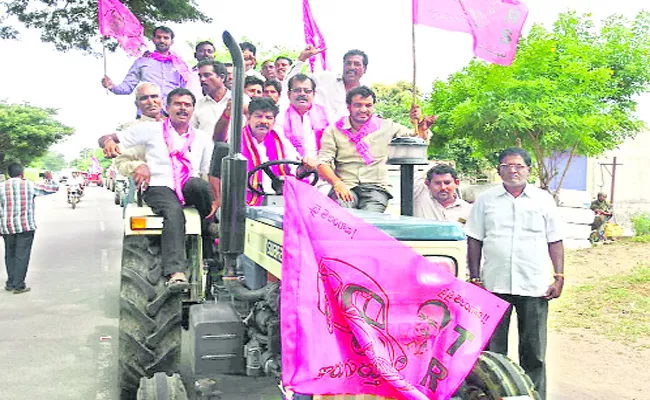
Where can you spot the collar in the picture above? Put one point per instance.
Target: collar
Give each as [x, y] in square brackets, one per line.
[529, 190]
[458, 202]
[225, 97]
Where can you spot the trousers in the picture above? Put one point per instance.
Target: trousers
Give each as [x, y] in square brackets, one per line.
[164, 202]
[18, 250]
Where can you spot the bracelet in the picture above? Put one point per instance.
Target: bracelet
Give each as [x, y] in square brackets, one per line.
[558, 275]
[474, 280]
[226, 117]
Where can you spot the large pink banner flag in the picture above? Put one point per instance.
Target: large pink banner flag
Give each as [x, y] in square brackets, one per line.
[313, 35]
[362, 313]
[495, 24]
[117, 21]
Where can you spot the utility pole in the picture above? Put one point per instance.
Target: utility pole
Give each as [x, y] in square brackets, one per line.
[613, 175]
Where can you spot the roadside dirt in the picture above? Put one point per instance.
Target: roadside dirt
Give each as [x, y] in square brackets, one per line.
[583, 365]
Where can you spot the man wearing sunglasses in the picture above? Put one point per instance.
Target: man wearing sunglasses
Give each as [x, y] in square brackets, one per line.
[515, 232]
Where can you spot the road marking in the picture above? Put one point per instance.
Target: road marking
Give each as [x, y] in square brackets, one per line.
[104, 258]
[105, 380]
[102, 226]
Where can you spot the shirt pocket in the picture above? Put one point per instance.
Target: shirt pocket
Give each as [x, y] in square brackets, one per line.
[532, 221]
[378, 146]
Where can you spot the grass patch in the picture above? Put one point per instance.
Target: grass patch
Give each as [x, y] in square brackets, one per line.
[640, 239]
[617, 306]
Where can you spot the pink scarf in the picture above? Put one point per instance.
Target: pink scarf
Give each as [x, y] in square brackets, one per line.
[274, 151]
[293, 127]
[181, 165]
[372, 125]
[179, 64]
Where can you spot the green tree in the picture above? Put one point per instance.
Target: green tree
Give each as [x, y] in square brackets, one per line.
[26, 132]
[82, 163]
[264, 52]
[73, 24]
[51, 161]
[572, 89]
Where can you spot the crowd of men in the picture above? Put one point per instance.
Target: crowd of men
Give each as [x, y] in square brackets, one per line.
[327, 122]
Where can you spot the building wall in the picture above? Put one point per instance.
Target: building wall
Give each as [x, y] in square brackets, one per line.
[632, 184]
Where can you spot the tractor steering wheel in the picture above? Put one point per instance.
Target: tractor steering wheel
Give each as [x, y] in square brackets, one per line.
[276, 182]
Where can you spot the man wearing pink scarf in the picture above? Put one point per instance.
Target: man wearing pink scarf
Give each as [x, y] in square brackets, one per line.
[357, 146]
[162, 67]
[177, 157]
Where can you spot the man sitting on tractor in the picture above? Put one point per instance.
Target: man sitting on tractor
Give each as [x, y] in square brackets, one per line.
[603, 211]
[176, 155]
[260, 144]
[357, 146]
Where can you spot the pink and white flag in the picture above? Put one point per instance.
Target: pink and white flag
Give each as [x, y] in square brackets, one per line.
[117, 21]
[362, 313]
[313, 36]
[95, 166]
[495, 24]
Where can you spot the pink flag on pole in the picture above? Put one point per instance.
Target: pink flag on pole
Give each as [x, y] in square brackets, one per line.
[117, 21]
[362, 313]
[313, 36]
[495, 24]
[95, 166]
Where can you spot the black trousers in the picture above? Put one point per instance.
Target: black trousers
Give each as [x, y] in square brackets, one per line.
[164, 202]
[18, 249]
[532, 313]
[220, 151]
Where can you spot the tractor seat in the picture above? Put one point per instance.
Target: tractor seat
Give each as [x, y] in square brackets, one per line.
[402, 228]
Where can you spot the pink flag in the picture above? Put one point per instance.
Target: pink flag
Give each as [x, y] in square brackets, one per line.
[495, 24]
[116, 20]
[95, 166]
[362, 313]
[313, 35]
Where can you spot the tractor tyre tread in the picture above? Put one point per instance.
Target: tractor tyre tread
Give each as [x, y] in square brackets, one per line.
[150, 342]
[162, 387]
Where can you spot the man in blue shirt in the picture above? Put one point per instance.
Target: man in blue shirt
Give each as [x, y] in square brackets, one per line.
[162, 67]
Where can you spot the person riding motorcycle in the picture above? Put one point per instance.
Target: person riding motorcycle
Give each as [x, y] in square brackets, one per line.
[76, 181]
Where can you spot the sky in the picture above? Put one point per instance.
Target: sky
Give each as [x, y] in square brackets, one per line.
[70, 82]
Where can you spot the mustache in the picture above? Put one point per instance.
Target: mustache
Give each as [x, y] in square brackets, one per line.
[350, 70]
[301, 97]
[259, 126]
[182, 113]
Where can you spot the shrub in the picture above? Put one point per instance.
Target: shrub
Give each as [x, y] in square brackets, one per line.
[641, 223]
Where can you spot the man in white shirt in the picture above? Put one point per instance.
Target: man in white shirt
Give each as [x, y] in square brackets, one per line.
[332, 89]
[203, 51]
[191, 150]
[515, 229]
[210, 107]
[248, 51]
[435, 196]
[282, 65]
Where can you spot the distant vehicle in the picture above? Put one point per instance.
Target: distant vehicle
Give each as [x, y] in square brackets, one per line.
[94, 178]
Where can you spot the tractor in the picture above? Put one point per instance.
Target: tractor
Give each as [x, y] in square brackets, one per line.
[228, 321]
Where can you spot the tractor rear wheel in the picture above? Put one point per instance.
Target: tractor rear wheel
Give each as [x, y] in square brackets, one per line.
[494, 377]
[150, 316]
[162, 387]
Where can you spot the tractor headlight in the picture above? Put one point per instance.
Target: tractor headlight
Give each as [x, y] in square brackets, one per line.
[447, 263]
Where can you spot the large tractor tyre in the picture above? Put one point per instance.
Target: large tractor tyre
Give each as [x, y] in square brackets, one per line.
[150, 316]
[162, 387]
[117, 199]
[494, 377]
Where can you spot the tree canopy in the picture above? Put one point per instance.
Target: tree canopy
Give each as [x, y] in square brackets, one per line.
[72, 24]
[26, 133]
[572, 88]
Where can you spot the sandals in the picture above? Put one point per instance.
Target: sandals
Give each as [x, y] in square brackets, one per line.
[178, 282]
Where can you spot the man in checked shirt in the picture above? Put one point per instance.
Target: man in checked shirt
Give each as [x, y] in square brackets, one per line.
[17, 224]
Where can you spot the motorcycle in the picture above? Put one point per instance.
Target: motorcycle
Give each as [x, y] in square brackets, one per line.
[74, 195]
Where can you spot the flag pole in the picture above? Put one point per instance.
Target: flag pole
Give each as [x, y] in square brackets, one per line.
[414, 88]
[104, 54]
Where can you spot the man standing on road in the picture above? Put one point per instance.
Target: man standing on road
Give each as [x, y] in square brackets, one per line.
[177, 155]
[357, 146]
[515, 228]
[17, 224]
[332, 89]
[435, 196]
[162, 67]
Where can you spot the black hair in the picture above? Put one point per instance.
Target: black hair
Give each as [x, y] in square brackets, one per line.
[301, 78]
[199, 44]
[15, 170]
[263, 104]
[441, 169]
[284, 58]
[446, 318]
[180, 92]
[275, 84]
[253, 80]
[516, 151]
[217, 67]
[228, 64]
[248, 46]
[163, 29]
[357, 52]
[364, 91]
